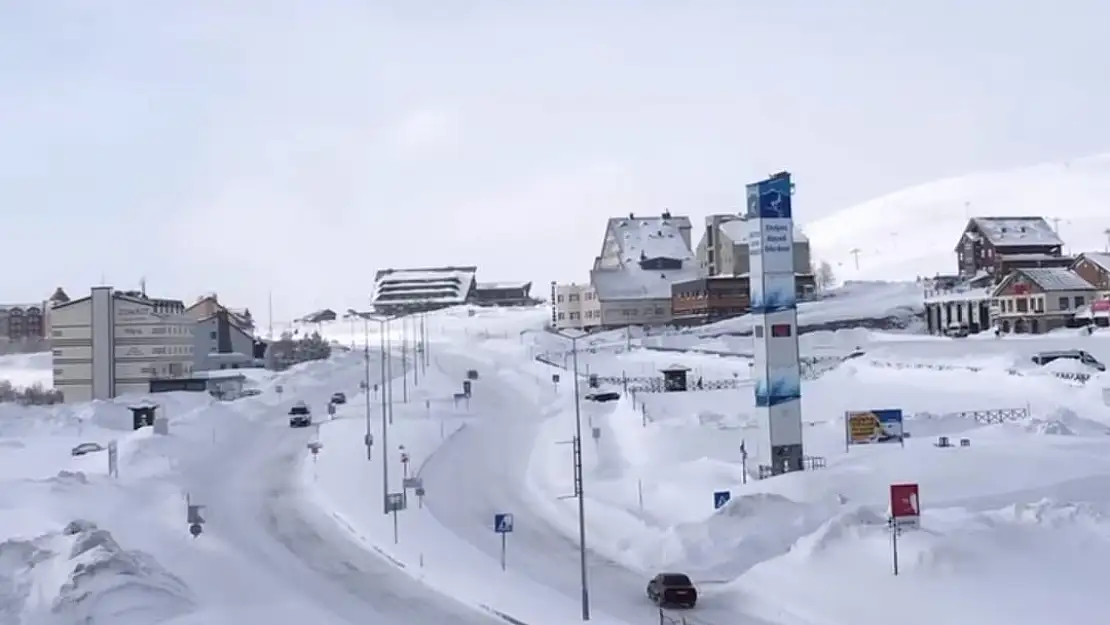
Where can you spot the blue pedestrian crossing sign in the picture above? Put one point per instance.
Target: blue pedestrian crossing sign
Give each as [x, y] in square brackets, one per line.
[503, 523]
[720, 498]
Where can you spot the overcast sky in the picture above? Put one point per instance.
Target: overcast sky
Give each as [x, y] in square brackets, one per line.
[298, 145]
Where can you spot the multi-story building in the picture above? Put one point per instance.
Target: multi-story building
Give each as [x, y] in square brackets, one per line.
[709, 299]
[1094, 267]
[503, 294]
[22, 322]
[1037, 300]
[575, 306]
[401, 291]
[995, 246]
[723, 249]
[111, 343]
[640, 258]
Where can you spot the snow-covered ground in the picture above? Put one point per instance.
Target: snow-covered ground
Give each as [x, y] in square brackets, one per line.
[1014, 527]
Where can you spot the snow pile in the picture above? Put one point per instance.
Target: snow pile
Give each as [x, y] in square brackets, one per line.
[82, 575]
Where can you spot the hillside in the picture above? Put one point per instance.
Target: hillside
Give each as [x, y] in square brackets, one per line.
[913, 232]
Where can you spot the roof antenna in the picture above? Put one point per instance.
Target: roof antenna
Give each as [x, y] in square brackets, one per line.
[142, 286]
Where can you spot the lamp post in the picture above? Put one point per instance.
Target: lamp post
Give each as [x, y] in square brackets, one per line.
[386, 367]
[578, 491]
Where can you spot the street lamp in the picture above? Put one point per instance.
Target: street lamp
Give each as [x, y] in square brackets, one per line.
[387, 391]
[578, 475]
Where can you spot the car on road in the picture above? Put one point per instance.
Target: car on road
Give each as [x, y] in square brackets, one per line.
[672, 589]
[299, 415]
[338, 398]
[86, 448]
[1075, 355]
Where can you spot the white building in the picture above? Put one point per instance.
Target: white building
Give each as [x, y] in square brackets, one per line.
[641, 257]
[110, 343]
[400, 291]
[575, 306]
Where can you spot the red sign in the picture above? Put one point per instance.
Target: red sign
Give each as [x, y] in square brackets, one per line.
[1100, 305]
[780, 331]
[905, 506]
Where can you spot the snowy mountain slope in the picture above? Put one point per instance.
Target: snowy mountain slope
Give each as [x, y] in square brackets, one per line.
[913, 232]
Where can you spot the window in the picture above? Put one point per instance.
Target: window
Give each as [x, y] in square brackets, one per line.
[57, 353]
[1023, 305]
[1079, 300]
[58, 373]
[561, 316]
[1038, 305]
[56, 333]
[573, 297]
[212, 335]
[1063, 303]
[659, 310]
[758, 331]
[575, 316]
[559, 298]
[158, 350]
[158, 330]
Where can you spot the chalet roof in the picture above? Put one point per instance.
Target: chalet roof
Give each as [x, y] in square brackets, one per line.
[649, 237]
[1015, 231]
[59, 296]
[1050, 279]
[1100, 259]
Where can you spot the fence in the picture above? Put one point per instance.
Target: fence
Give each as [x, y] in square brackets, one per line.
[1081, 378]
[997, 415]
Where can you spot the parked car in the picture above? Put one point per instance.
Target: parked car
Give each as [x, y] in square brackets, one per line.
[603, 396]
[1043, 358]
[338, 398]
[251, 392]
[300, 416]
[86, 448]
[672, 589]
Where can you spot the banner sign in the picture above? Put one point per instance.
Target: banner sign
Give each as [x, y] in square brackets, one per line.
[905, 507]
[866, 427]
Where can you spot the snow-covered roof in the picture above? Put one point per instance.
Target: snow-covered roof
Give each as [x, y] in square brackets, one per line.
[1056, 279]
[1013, 231]
[1098, 258]
[650, 237]
[491, 286]
[443, 285]
[737, 231]
[635, 283]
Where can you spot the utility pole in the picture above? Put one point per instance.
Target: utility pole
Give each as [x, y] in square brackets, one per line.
[404, 361]
[270, 314]
[855, 254]
[1107, 233]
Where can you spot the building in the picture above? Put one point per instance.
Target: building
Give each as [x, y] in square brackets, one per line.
[207, 305]
[723, 249]
[21, 323]
[995, 246]
[503, 294]
[1094, 267]
[1040, 299]
[709, 299]
[640, 258]
[109, 343]
[220, 343]
[575, 306]
[400, 291]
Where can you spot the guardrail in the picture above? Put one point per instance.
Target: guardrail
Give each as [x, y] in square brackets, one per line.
[1081, 378]
[988, 417]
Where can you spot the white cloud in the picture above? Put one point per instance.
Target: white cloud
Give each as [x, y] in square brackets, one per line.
[423, 131]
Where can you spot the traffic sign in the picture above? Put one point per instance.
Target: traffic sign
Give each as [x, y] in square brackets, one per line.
[395, 501]
[195, 529]
[419, 491]
[503, 522]
[413, 482]
[721, 498]
[905, 507]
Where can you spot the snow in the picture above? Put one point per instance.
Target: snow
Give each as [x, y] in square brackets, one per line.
[924, 223]
[292, 537]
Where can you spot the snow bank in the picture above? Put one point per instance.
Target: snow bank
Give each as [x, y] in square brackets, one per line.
[82, 575]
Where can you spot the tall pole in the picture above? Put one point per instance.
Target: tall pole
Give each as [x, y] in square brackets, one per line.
[366, 339]
[578, 485]
[404, 361]
[415, 355]
[384, 453]
[389, 367]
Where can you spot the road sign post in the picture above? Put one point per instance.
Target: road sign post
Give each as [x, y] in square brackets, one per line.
[503, 524]
[395, 502]
[721, 499]
[905, 512]
[420, 495]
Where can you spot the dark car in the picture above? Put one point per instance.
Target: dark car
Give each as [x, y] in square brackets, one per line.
[672, 589]
[86, 448]
[300, 416]
[1043, 358]
[338, 398]
[603, 396]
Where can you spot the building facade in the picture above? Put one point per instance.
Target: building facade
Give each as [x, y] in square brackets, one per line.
[575, 306]
[208, 305]
[1038, 300]
[220, 343]
[503, 294]
[22, 322]
[111, 343]
[709, 299]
